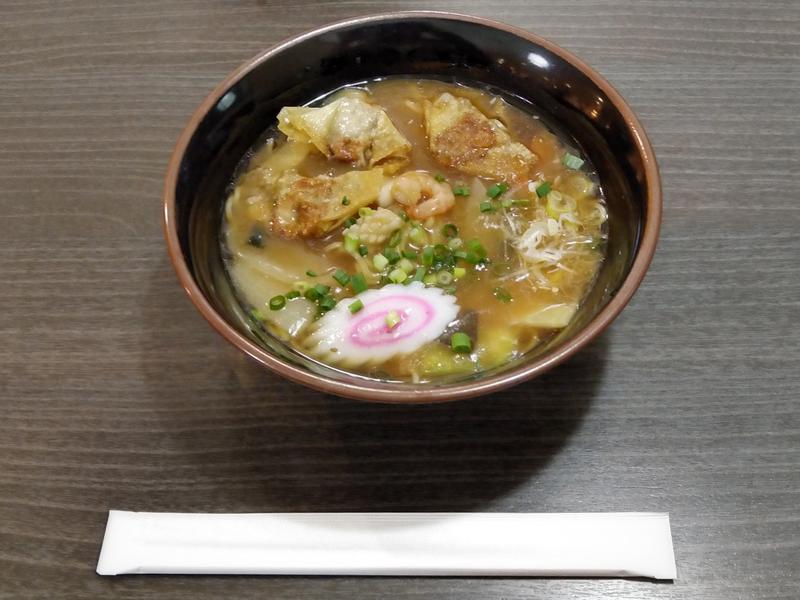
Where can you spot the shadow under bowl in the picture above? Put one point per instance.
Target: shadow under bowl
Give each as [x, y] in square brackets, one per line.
[523, 67]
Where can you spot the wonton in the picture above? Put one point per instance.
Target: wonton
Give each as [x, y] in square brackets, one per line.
[462, 137]
[297, 206]
[349, 129]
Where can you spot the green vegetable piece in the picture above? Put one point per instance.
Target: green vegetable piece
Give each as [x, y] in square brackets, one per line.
[327, 303]
[301, 286]
[312, 294]
[459, 272]
[461, 190]
[476, 247]
[521, 203]
[572, 162]
[418, 236]
[349, 222]
[460, 343]
[342, 277]
[256, 314]
[358, 283]
[364, 211]
[455, 243]
[394, 239]
[398, 276]
[427, 256]
[350, 244]
[444, 278]
[409, 254]
[406, 265]
[486, 207]
[311, 273]
[497, 189]
[429, 279]
[419, 275]
[392, 319]
[322, 289]
[502, 295]
[543, 189]
[356, 306]
[506, 202]
[292, 295]
[392, 254]
[440, 178]
[449, 230]
[451, 289]
[363, 250]
[345, 201]
[380, 262]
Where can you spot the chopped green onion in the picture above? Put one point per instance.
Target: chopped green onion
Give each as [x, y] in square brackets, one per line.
[341, 277]
[440, 178]
[441, 253]
[486, 207]
[502, 295]
[572, 162]
[345, 201]
[417, 235]
[472, 257]
[420, 274]
[380, 262]
[350, 244]
[444, 278]
[392, 319]
[398, 276]
[256, 314]
[427, 256]
[506, 202]
[409, 254]
[455, 243]
[460, 342]
[312, 294]
[364, 211]
[363, 250]
[301, 286]
[462, 254]
[449, 230]
[392, 254]
[459, 272]
[327, 303]
[461, 190]
[521, 202]
[406, 265]
[476, 247]
[292, 295]
[356, 306]
[311, 273]
[358, 283]
[429, 279]
[395, 238]
[543, 189]
[404, 216]
[450, 289]
[349, 222]
[496, 189]
[322, 289]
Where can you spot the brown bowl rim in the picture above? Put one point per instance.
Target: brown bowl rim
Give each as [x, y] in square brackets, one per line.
[358, 388]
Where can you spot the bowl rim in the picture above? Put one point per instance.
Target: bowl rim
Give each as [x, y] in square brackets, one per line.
[361, 389]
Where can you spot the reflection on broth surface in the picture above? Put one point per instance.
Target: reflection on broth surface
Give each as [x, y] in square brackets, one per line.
[413, 230]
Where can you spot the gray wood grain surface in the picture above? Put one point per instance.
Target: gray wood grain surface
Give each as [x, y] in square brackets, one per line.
[115, 394]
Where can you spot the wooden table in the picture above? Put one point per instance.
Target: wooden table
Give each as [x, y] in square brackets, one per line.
[116, 394]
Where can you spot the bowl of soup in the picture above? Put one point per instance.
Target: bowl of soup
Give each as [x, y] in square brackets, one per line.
[412, 207]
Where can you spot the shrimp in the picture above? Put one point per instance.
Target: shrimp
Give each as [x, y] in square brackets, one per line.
[420, 194]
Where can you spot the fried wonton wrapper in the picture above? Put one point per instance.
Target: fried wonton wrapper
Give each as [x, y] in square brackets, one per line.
[462, 137]
[349, 129]
[296, 206]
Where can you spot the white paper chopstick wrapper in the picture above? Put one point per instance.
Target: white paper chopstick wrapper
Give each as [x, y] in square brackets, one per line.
[440, 544]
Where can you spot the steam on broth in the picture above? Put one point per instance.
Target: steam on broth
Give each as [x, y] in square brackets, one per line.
[413, 230]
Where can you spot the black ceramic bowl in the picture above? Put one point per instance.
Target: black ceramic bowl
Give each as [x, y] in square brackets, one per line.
[526, 68]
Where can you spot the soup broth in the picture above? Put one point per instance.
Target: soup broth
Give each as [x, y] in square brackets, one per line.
[413, 230]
